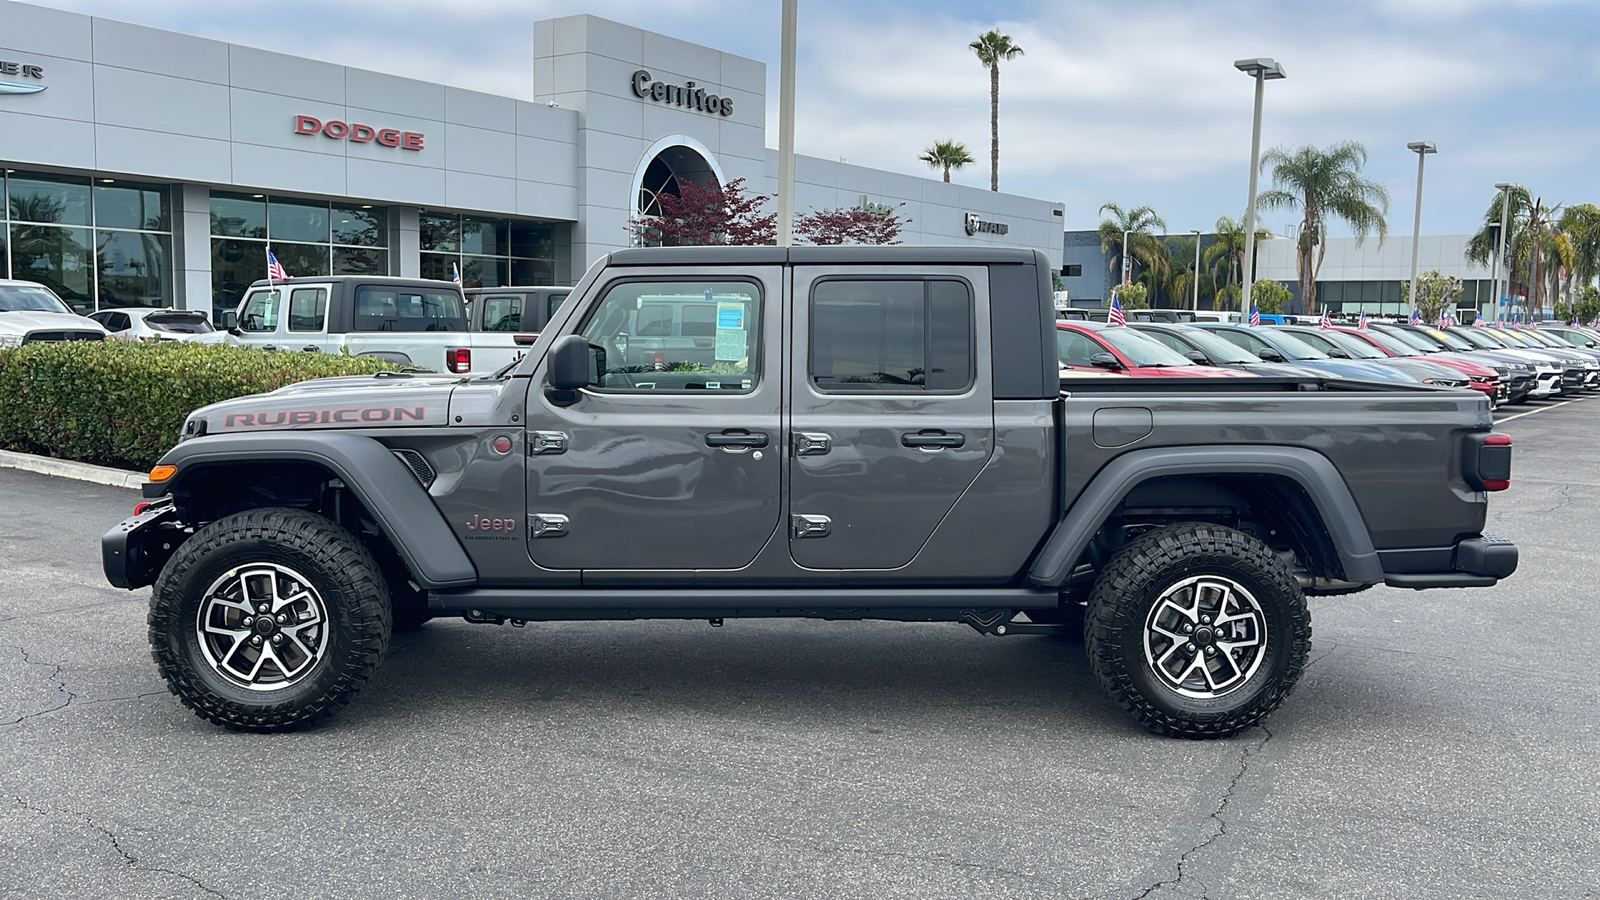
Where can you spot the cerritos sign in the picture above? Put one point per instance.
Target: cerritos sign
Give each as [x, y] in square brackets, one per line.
[685, 95]
[359, 134]
[976, 225]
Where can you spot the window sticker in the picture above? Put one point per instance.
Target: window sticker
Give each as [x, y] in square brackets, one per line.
[731, 339]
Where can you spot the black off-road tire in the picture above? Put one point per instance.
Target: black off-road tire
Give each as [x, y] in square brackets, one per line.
[332, 563]
[1138, 599]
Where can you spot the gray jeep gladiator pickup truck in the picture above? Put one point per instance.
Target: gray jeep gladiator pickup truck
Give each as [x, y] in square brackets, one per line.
[863, 433]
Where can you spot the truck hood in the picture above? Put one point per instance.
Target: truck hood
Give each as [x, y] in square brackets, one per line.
[353, 401]
[23, 321]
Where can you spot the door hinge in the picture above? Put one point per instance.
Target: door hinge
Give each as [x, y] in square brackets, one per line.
[811, 526]
[811, 443]
[546, 525]
[544, 443]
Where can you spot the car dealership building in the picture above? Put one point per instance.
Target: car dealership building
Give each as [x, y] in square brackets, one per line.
[150, 168]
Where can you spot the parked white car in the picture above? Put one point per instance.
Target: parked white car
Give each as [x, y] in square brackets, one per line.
[31, 312]
[146, 324]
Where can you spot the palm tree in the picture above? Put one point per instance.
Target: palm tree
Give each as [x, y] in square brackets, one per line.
[1227, 251]
[1324, 185]
[1140, 224]
[1178, 285]
[947, 155]
[1580, 225]
[992, 47]
[1530, 225]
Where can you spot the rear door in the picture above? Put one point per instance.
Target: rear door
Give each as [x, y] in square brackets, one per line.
[892, 417]
[673, 464]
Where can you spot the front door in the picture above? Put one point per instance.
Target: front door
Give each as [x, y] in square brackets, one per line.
[892, 418]
[307, 319]
[258, 318]
[670, 462]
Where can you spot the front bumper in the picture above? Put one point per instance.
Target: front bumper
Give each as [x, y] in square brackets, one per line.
[1476, 562]
[134, 552]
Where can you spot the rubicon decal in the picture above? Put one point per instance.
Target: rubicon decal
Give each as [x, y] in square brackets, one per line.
[348, 416]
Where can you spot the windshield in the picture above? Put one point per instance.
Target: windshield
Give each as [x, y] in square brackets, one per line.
[1515, 339]
[1391, 343]
[1294, 348]
[1217, 348]
[1141, 350]
[1545, 339]
[1356, 347]
[1413, 340]
[1452, 341]
[27, 298]
[1484, 340]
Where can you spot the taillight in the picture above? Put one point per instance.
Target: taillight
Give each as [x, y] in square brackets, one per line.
[1494, 462]
[458, 360]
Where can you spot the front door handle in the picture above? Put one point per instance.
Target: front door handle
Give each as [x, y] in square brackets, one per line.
[931, 439]
[736, 437]
[311, 348]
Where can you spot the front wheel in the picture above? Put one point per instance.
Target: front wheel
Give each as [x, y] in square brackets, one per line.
[269, 620]
[1198, 630]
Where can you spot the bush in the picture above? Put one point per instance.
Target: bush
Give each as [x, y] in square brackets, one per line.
[122, 404]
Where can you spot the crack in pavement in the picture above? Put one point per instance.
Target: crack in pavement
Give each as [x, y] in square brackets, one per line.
[128, 859]
[1323, 655]
[1222, 824]
[60, 683]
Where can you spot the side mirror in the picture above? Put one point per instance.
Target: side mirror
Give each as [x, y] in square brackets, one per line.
[1105, 361]
[1270, 355]
[569, 367]
[1336, 353]
[230, 322]
[1198, 358]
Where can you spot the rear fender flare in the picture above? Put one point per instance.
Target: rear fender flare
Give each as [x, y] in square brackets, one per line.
[384, 485]
[1307, 468]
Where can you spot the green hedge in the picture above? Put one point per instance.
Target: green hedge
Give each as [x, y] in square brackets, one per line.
[122, 404]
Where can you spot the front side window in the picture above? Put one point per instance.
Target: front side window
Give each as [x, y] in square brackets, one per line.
[891, 336]
[1074, 348]
[308, 307]
[260, 313]
[677, 336]
[382, 308]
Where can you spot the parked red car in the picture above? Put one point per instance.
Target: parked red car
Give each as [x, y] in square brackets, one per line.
[1093, 348]
[1479, 377]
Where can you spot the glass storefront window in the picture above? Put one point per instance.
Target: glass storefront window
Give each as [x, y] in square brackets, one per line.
[489, 252]
[49, 200]
[533, 271]
[293, 221]
[238, 215]
[58, 258]
[132, 268]
[441, 233]
[359, 226]
[132, 207]
[300, 260]
[235, 265]
[360, 261]
[484, 237]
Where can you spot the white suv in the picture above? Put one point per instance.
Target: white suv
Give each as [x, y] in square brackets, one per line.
[31, 312]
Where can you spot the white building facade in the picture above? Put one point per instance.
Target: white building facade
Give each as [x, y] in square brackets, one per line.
[151, 168]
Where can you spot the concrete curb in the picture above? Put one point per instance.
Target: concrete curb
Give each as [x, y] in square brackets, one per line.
[62, 468]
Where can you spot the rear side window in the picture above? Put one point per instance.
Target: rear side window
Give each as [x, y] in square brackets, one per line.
[308, 307]
[384, 308]
[892, 336]
[555, 301]
[501, 312]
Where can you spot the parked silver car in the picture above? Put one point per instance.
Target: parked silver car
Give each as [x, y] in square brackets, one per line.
[147, 324]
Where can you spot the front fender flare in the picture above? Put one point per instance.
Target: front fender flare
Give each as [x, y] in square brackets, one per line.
[1307, 468]
[383, 484]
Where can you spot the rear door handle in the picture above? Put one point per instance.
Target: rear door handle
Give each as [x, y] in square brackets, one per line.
[311, 348]
[736, 437]
[932, 439]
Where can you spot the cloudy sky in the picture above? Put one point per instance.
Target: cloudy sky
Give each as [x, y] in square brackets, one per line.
[1136, 103]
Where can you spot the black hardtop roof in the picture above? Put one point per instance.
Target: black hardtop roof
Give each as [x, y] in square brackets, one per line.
[766, 255]
[520, 287]
[391, 280]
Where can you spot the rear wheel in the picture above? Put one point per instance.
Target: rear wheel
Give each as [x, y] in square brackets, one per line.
[269, 620]
[1198, 630]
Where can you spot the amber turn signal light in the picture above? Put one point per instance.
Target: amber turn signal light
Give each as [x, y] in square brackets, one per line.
[162, 473]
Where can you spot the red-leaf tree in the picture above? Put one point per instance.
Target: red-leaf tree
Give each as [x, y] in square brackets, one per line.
[699, 215]
[849, 225]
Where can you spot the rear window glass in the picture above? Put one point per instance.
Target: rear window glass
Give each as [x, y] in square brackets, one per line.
[179, 323]
[384, 308]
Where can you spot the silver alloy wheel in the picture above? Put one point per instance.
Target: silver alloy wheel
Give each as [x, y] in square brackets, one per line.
[1205, 636]
[262, 626]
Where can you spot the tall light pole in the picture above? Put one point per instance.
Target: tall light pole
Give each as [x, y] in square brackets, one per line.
[1422, 149]
[1127, 262]
[1505, 208]
[786, 125]
[1262, 70]
[1196, 233]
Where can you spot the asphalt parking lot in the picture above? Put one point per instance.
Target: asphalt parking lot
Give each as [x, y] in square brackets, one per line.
[1442, 744]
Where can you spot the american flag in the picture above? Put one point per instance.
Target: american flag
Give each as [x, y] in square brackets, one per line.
[1325, 322]
[1116, 317]
[455, 274]
[274, 268]
[1480, 322]
[1416, 317]
[1445, 321]
[1255, 314]
[1362, 323]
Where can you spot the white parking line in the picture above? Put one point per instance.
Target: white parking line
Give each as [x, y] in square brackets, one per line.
[1541, 409]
